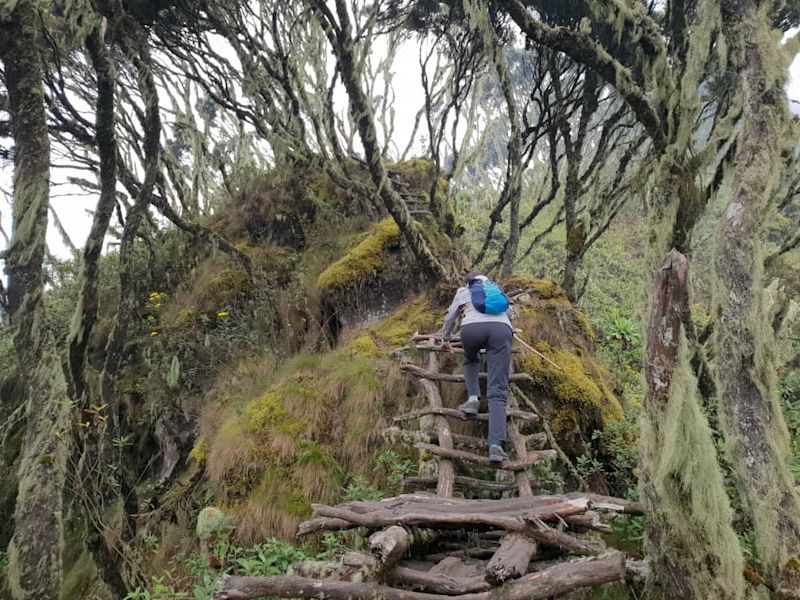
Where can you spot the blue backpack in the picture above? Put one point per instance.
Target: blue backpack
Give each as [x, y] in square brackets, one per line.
[487, 297]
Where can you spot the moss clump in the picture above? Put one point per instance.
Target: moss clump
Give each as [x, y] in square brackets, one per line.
[540, 289]
[198, 452]
[420, 315]
[576, 384]
[364, 345]
[365, 260]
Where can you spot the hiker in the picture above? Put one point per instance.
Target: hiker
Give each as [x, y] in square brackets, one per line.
[485, 325]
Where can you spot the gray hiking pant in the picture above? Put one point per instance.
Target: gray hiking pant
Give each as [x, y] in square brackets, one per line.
[496, 339]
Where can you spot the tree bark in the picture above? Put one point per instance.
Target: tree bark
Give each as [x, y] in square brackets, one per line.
[757, 440]
[86, 309]
[35, 550]
[690, 541]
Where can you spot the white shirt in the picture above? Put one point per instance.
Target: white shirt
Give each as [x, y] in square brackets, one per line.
[463, 297]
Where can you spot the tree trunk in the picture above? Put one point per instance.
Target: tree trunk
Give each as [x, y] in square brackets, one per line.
[757, 440]
[343, 44]
[35, 551]
[86, 309]
[691, 544]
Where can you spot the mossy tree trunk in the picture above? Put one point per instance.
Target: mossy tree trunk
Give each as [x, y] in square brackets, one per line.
[340, 37]
[86, 310]
[757, 440]
[35, 551]
[693, 550]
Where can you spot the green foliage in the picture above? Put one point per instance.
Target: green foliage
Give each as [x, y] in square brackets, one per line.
[552, 482]
[395, 468]
[618, 445]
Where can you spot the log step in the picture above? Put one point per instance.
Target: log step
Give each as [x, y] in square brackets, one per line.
[457, 414]
[462, 482]
[453, 377]
[532, 459]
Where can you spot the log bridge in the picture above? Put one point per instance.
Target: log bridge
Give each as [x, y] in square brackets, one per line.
[467, 529]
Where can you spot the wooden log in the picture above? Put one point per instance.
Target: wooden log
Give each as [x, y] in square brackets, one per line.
[521, 451]
[446, 473]
[457, 414]
[547, 536]
[610, 503]
[392, 507]
[547, 583]
[511, 559]
[436, 583]
[510, 522]
[531, 459]
[588, 520]
[462, 482]
[453, 377]
[453, 350]
[389, 545]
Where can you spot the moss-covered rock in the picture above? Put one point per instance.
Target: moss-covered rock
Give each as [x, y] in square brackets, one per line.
[577, 396]
[364, 262]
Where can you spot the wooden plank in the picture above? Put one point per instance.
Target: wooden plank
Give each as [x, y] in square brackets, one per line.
[532, 458]
[462, 482]
[457, 414]
[454, 378]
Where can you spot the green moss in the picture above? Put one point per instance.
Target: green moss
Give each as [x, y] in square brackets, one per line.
[419, 315]
[364, 346]
[365, 260]
[572, 384]
[540, 289]
[269, 412]
[198, 452]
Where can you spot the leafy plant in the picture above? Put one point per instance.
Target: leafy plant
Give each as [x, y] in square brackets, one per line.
[588, 466]
[551, 480]
[396, 469]
[623, 330]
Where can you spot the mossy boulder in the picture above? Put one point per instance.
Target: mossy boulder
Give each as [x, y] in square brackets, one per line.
[577, 397]
[369, 281]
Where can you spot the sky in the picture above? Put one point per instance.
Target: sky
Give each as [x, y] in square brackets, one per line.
[74, 207]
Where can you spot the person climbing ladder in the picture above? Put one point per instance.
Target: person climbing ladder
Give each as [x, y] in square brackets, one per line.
[485, 325]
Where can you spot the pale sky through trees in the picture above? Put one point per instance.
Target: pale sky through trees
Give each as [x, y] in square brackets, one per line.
[73, 205]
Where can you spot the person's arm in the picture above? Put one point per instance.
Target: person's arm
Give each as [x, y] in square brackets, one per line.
[459, 300]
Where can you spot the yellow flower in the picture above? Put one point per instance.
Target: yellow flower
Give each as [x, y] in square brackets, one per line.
[223, 313]
[153, 333]
[158, 305]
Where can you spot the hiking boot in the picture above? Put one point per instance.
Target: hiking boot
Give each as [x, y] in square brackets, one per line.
[497, 454]
[470, 407]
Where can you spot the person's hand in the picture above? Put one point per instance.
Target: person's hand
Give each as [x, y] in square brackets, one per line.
[447, 347]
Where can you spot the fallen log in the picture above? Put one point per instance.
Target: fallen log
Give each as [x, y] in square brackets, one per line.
[455, 378]
[588, 520]
[511, 522]
[511, 559]
[429, 503]
[457, 414]
[547, 536]
[533, 458]
[436, 583]
[610, 503]
[389, 545]
[551, 582]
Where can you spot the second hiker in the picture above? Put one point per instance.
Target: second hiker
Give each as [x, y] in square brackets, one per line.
[485, 325]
